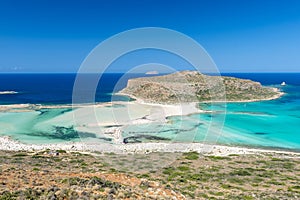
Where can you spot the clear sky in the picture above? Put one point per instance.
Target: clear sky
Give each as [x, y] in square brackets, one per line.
[240, 35]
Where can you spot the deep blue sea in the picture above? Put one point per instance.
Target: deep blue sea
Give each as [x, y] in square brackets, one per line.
[52, 88]
[57, 88]
[274, 123]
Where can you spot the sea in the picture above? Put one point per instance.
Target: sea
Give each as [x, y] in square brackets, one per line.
[263, 124]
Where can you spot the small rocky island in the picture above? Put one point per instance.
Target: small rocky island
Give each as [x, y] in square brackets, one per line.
[192, 86]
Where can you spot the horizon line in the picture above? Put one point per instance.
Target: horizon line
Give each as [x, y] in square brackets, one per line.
[232, 72]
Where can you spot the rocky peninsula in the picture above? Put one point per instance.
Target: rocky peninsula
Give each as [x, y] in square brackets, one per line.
[192, 86]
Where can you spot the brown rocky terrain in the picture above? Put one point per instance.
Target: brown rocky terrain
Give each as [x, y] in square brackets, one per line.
[191, 86]
[73, 175]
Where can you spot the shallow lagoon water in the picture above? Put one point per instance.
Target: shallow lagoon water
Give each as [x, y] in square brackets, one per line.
[272, 123]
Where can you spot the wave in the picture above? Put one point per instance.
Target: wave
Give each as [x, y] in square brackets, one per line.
[8, 92]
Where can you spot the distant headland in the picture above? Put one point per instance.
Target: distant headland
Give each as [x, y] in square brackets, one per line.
[192, 86]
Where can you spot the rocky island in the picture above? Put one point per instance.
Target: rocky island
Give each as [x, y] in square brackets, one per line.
[192, 86]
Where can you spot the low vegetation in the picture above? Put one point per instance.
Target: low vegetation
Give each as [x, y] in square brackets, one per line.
[191, 86]
[73, 175]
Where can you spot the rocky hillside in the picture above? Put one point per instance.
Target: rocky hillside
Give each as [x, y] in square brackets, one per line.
[191, 86]
[72, 175]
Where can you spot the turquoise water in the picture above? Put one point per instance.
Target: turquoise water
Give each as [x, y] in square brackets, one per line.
[30, 126]
[272, 123]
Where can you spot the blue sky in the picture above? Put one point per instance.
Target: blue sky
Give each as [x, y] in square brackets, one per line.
[240, 35]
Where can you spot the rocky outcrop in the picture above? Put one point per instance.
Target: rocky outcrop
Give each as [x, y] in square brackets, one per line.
[192, 86]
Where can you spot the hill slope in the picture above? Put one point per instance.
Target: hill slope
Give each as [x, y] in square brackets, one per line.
[191, 86]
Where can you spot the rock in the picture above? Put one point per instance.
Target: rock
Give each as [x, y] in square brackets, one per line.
[53, 197]
[54, 189]
[110, 197]
[145, 183]
[84, 193]
[112, 191]
[57, 193]
[96, 188]
[121, 195]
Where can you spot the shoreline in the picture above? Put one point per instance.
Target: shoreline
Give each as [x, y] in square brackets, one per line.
[7, 107]
[276, 96]
[166, 110]
[8, 144]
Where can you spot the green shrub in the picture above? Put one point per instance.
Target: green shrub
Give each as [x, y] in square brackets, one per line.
[61, 151]
[20, 155]
[183, 168]
[240, 172]
[193, 155]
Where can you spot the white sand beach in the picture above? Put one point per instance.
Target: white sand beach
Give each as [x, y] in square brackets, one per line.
[104, 120]
[7, 144]
[108, 120]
